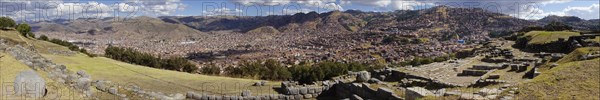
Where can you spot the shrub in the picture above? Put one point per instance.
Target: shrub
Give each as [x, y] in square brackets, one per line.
[43, 37]
[6, 22]
[69, 45]
[269, 70]
[132, 56]
[440, 59]
[211, 69]
[303, 73]
[24, 29]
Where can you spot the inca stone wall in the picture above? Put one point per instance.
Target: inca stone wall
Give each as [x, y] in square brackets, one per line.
[59, 73]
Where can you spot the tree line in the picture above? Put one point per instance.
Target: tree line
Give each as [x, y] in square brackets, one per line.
[130, 55]
[24, 30]
[304, 72]
[67, 44]
[273, 70]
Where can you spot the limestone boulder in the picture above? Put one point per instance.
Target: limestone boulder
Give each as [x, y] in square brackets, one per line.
[363, 76]
[30, 84]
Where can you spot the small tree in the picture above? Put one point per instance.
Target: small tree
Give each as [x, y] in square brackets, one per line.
[43, 37]
[211, 69]
[30, 34]
[24, 29]
[6, 22]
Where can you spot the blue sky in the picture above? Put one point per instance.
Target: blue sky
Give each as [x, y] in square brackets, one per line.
[41, 9]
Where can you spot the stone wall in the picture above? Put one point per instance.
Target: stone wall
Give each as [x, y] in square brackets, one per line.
[78, 80]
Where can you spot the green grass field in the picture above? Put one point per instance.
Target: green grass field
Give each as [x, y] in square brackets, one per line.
[575, 54]
[577, 80]
[542, 37]
[572, 79]
[151, 79]
[10, 67]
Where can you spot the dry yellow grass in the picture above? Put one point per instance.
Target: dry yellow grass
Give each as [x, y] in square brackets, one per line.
[102, 68]
[578, 80]
[10, 67]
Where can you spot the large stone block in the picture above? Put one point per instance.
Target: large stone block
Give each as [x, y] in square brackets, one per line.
[293, 90]
[30, 84]
[413, 93]
[363, 76]
[308, 96]
[84, 84]
[303, 90]
[246, 93]
[311, 90]
[113, 90]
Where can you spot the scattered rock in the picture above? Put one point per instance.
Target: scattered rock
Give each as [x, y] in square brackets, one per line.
[261, 83]
[486, 91]
[178, 96]
[413, 93]
[113, 90]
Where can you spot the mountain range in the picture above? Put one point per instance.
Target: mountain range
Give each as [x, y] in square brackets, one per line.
[433, 21]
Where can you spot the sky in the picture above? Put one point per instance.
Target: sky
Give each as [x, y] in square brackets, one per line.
[39, 10]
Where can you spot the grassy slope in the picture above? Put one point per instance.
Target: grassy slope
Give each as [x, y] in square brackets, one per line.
[542, 37]
[572, 79]
[146, 77]
[574, 56]
[10, 67]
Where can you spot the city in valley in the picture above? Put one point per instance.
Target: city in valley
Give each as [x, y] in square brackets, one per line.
[300, 49]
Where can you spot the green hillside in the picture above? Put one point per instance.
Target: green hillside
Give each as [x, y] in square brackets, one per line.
[572, 79]
[10, 67]
[543, 37]
[575, 54]
[101, 68]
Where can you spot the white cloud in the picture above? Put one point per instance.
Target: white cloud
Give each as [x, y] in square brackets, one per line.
[38, 10]
[289, 11]
[320, 4]
[222, 11]
[263, 2]
[585, 12]
[157, 7]
[589, 12]
[376, 3]
[554, 2]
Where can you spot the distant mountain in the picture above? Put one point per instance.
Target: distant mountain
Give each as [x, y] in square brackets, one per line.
[440, 22]
[564, 19]
[138, 27]
[334, 21]
[575, 22]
